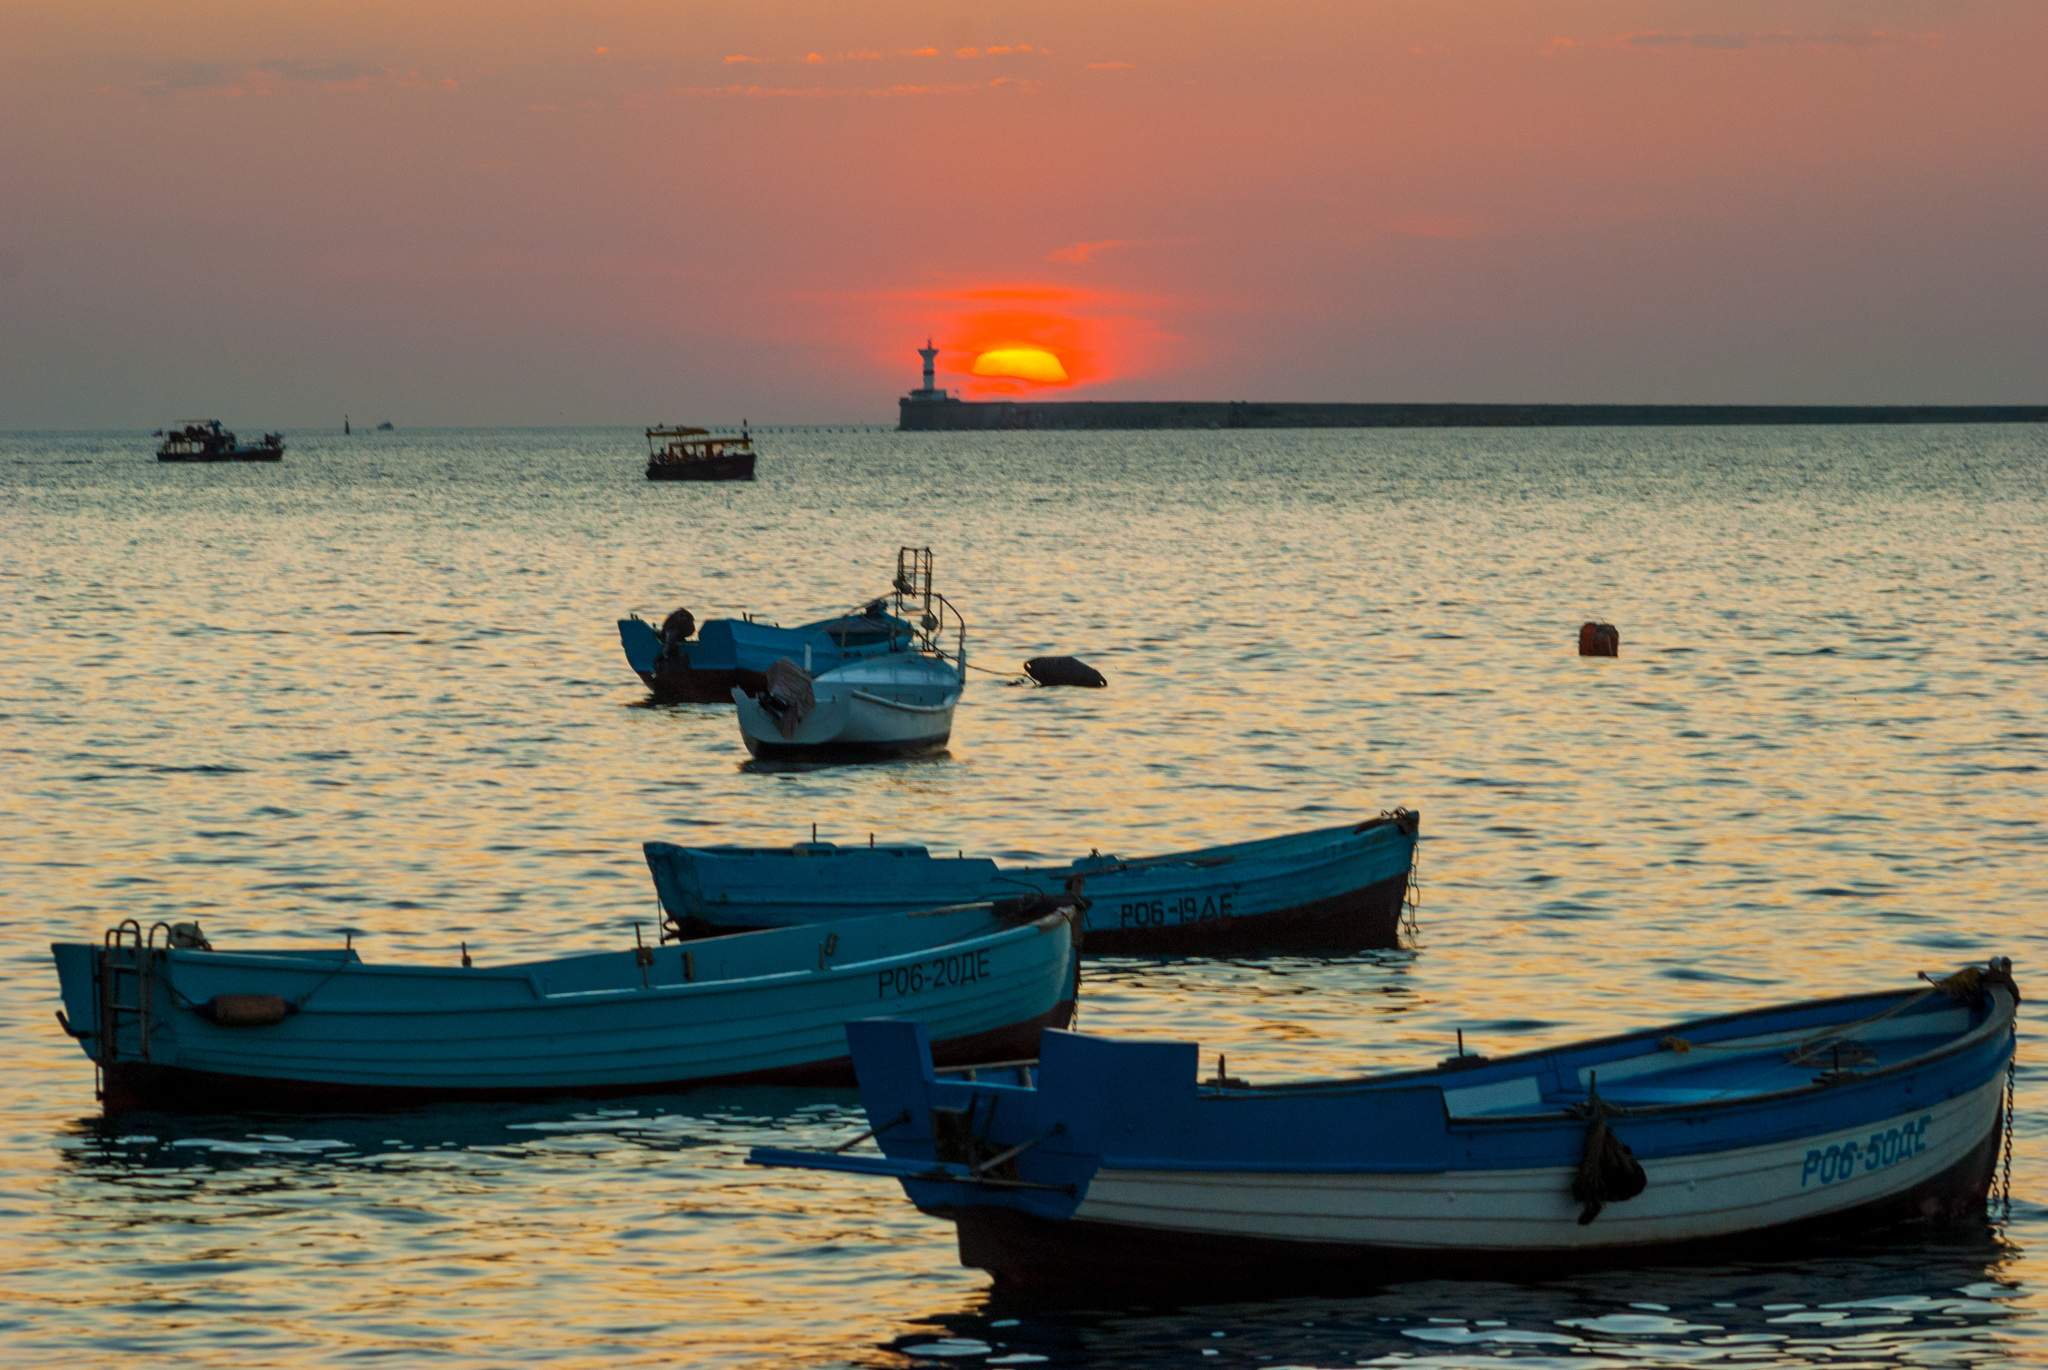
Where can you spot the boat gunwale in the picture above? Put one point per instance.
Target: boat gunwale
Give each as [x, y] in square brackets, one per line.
[1345, 841]
[901, 707]
[522, 973]
[2001, 1018]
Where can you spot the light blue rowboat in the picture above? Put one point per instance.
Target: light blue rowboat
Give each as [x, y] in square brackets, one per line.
[1331, 889]
[735, 652]
[186, 1027]
[1111, 1163]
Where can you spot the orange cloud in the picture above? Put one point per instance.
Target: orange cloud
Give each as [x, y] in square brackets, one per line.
[1079, 253]
[810, 92]
[862, 56]
[1767, 38]
[736, 59]
[918, 52]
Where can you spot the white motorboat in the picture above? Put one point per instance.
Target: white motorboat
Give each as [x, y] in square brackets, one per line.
[894, 703]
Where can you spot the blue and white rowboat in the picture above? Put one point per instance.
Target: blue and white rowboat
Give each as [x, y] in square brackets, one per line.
[1111, 1162]
[1332, 889]
[185, 1027]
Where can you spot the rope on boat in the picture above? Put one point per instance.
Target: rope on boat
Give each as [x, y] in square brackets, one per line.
[1411, 902]
[1008, 677]
[1608, 1171]
[2005, 1171]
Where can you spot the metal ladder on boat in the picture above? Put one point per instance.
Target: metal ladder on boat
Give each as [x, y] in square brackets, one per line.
[122, 975]
[913, 590]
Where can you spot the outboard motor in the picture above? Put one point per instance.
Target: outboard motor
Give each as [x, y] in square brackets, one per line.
[675, 631]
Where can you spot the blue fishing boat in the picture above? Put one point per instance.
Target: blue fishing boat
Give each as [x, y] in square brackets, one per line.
[178, 1024]
[1331, 889]
[685, 663]
[1111, 1162]
[735, 653]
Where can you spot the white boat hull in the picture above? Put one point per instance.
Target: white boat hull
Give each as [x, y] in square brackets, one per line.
[883, 707]
[1690, 1199]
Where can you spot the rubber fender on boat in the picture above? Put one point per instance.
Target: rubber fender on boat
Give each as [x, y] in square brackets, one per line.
[1064, 670]
[1599, 639]
[247, 1010]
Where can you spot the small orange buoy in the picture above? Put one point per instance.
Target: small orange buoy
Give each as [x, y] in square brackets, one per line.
[1599, 639]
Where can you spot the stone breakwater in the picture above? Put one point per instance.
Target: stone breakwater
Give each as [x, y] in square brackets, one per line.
[928, 416]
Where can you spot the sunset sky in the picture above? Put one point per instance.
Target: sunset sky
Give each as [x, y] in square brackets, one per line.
[620, 212]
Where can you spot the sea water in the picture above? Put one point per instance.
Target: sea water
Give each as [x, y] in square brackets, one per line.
[376, 692]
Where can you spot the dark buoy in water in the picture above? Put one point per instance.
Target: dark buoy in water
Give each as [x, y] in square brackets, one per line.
[1599, 639]
[1064, 670]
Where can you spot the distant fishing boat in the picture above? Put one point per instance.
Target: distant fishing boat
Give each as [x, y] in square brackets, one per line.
[206, 440]
[697, 454]
[898, 702]
[1331, 889]
[1110, 1163]
[177, 1024]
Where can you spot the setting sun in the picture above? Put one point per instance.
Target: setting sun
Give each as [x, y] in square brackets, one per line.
[1020, 363]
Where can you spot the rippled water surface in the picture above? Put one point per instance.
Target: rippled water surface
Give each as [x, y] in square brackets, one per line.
[377, 689]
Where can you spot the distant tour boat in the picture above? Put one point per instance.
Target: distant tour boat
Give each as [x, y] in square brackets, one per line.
[206, 440]
[695, 454]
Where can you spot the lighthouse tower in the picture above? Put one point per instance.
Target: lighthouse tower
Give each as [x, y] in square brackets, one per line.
[928, 393]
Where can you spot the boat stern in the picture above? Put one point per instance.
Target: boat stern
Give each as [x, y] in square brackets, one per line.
[675, 882]
[642, 644]
[75, 980]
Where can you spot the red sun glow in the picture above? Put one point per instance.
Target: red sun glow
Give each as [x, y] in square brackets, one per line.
[1020, 339]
